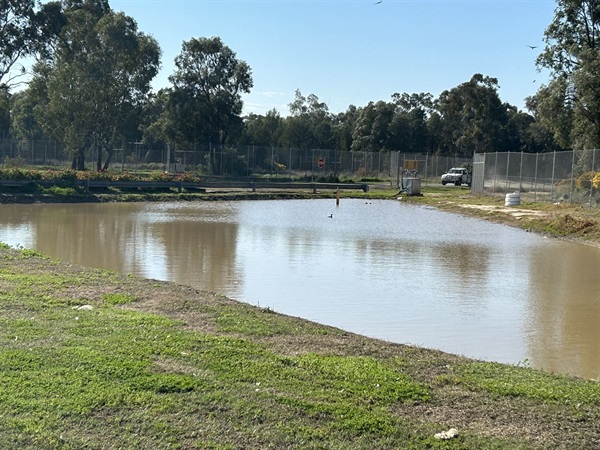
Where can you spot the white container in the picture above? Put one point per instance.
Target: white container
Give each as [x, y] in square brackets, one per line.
[513, 199]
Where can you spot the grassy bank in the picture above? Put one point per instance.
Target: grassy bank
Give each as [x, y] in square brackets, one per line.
[95, 359]
[563, 220]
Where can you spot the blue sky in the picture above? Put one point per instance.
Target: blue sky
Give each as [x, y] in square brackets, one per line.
[350, 52]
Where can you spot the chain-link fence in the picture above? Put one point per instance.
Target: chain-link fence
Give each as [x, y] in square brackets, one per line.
[570, 176]
[426, 166]
[232, 161]
[32, 152]
[280, 162]
[241, 161]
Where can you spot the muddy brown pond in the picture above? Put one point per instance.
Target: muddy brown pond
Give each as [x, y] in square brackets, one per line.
[403, 273]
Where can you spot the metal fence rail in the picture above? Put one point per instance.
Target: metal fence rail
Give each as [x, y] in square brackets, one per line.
[200, 185]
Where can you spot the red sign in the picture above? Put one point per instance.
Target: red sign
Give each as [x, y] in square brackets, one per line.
[321, 163]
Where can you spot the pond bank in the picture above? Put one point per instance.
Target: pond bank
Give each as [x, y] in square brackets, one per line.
[135, 363]
[561, 220]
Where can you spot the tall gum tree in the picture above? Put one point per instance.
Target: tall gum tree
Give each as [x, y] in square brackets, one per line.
[96, 80]
[572, 54]
[205, 100]
[309, 124]
[27, 28]
[472, 116]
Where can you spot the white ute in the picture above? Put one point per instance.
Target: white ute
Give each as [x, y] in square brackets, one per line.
[457, 176]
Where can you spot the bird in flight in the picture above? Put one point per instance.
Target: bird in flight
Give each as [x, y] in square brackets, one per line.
[377, 3]
[532, 47]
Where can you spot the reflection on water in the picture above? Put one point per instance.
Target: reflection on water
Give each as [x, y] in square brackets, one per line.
[382, 268]
[564, 310]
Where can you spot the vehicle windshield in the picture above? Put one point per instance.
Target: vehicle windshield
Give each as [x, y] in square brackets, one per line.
[455, 171]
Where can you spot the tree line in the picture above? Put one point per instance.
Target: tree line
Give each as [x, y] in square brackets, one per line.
[90, 88]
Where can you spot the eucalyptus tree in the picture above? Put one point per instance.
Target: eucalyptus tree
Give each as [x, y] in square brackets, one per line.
[553, 111]
[23, 124]
[4, 112]
[96, 80]
[437, 140]
[372, 131]
[408, 129]
[525, 134]
[572, 54]
[154, 122]
[205, 99]
[27, 28]
[262, 130]
[473, 117]
[343, 127]
[309, 124]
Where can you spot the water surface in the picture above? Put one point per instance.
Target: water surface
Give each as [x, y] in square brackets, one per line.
[385, 269]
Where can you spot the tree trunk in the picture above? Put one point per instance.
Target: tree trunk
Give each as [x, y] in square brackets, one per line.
[78, 162]
[108, 160]
[98, 158]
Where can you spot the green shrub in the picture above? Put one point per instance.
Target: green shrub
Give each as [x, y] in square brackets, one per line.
[17, 161]
[12, 173]
[189, 177]
[62, 191]
[59, 175]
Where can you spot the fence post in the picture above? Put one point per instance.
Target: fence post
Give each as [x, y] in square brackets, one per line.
[553, 167]
[506, 183]
[521, 173]
[426, 167]
[572, 170]
[495, 176]
[537, 155]
[592, 176]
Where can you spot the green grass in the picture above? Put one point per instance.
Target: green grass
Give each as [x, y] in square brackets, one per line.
[62, 191]
[155, 365]
[261, 322]
[118, 299]
[510, 381]
[62, 367]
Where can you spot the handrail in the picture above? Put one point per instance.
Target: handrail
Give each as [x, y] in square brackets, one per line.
[180, 185]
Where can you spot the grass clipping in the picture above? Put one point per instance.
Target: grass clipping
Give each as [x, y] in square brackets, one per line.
[94, 359]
